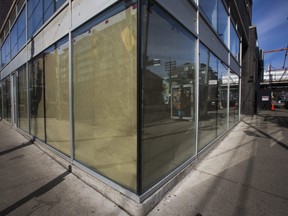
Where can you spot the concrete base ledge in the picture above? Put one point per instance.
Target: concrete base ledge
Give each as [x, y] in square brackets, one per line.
[120, 198]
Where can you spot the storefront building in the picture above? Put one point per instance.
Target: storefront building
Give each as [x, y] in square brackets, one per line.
[129, 91]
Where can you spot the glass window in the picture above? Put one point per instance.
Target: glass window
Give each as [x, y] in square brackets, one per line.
[233, 99]
[105, 94]
[235, 43]
[35, 16]
[14, 42]
[18, 34]
[168, 133]
[22, 103]
[36, 91]
[208, 79]
[6, 51]
[39, 11]
[222, 98]
[222, 22]
[57, 96]
[7, 98]
[49, 8]
[21, 29]
[210, 10]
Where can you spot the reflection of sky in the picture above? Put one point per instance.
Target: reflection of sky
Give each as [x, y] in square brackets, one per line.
[168, 43]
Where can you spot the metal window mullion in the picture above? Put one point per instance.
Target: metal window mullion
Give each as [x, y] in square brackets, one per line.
[71, 93]
[197, 92]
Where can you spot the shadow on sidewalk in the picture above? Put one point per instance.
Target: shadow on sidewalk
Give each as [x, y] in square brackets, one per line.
[266, 135]
[30, 142]
[42, 190]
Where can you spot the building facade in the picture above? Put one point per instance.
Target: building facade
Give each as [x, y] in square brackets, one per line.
[129, 91]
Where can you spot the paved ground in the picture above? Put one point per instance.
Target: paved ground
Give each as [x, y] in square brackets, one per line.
[246, 174]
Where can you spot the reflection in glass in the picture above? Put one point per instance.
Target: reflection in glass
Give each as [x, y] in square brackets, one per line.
[234, 99]
[36, 91]
[6, 98]
[23, 119]
[210, 10]
[35, 16]
[234, 43]
[222, 28]
[18, 33]
[39, 11]
[105, 95]
[208, 80]
[57, 96]
[222, 110]
[168, 133]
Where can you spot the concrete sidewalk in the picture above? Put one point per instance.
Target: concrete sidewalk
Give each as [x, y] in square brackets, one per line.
[245, 174]
[31, 183]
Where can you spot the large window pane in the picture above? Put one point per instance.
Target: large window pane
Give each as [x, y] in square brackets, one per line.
[36, 98]
[14, 41]
[222, 98]
[23, 119]
[18, 33]
[49, 7]
[208, 99]
[21, 32]
[6, 98]
[234, 99]
[35, 16]
[209, 7]
[222, 22]
[105, 95]
[235, 43]
[168, 133]
[57, 96]
[5, 51]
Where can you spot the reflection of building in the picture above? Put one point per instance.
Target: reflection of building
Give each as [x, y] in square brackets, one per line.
[120, 103]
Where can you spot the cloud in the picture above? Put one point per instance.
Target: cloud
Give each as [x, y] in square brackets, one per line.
[268, 16]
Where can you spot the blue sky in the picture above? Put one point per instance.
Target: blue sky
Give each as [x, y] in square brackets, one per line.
[271, 19]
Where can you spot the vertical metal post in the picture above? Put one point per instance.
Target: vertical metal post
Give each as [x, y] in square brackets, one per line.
[228, 75]
[71, 102]
[197, 69]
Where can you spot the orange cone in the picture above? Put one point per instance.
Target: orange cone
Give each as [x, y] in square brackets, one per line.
[272, 107]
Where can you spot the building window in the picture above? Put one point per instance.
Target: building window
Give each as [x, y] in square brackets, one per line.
[6, 87]
[208, 79]
[222, 99]
[5, 51]
[234, 99]
[234, 43]
[213, 83]
[23, 114]
[168, 133]
[105, 94]
[222, 27]
[210, 10]
[36, 91]
[39, 11]
[18, 33]
[216, 13]
[57, 96]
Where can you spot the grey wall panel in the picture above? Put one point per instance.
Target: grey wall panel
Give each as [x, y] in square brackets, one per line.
[18, 61]
[208, 37]
[84, 10]
[183, 11]
[234, 65]
[55, 30]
